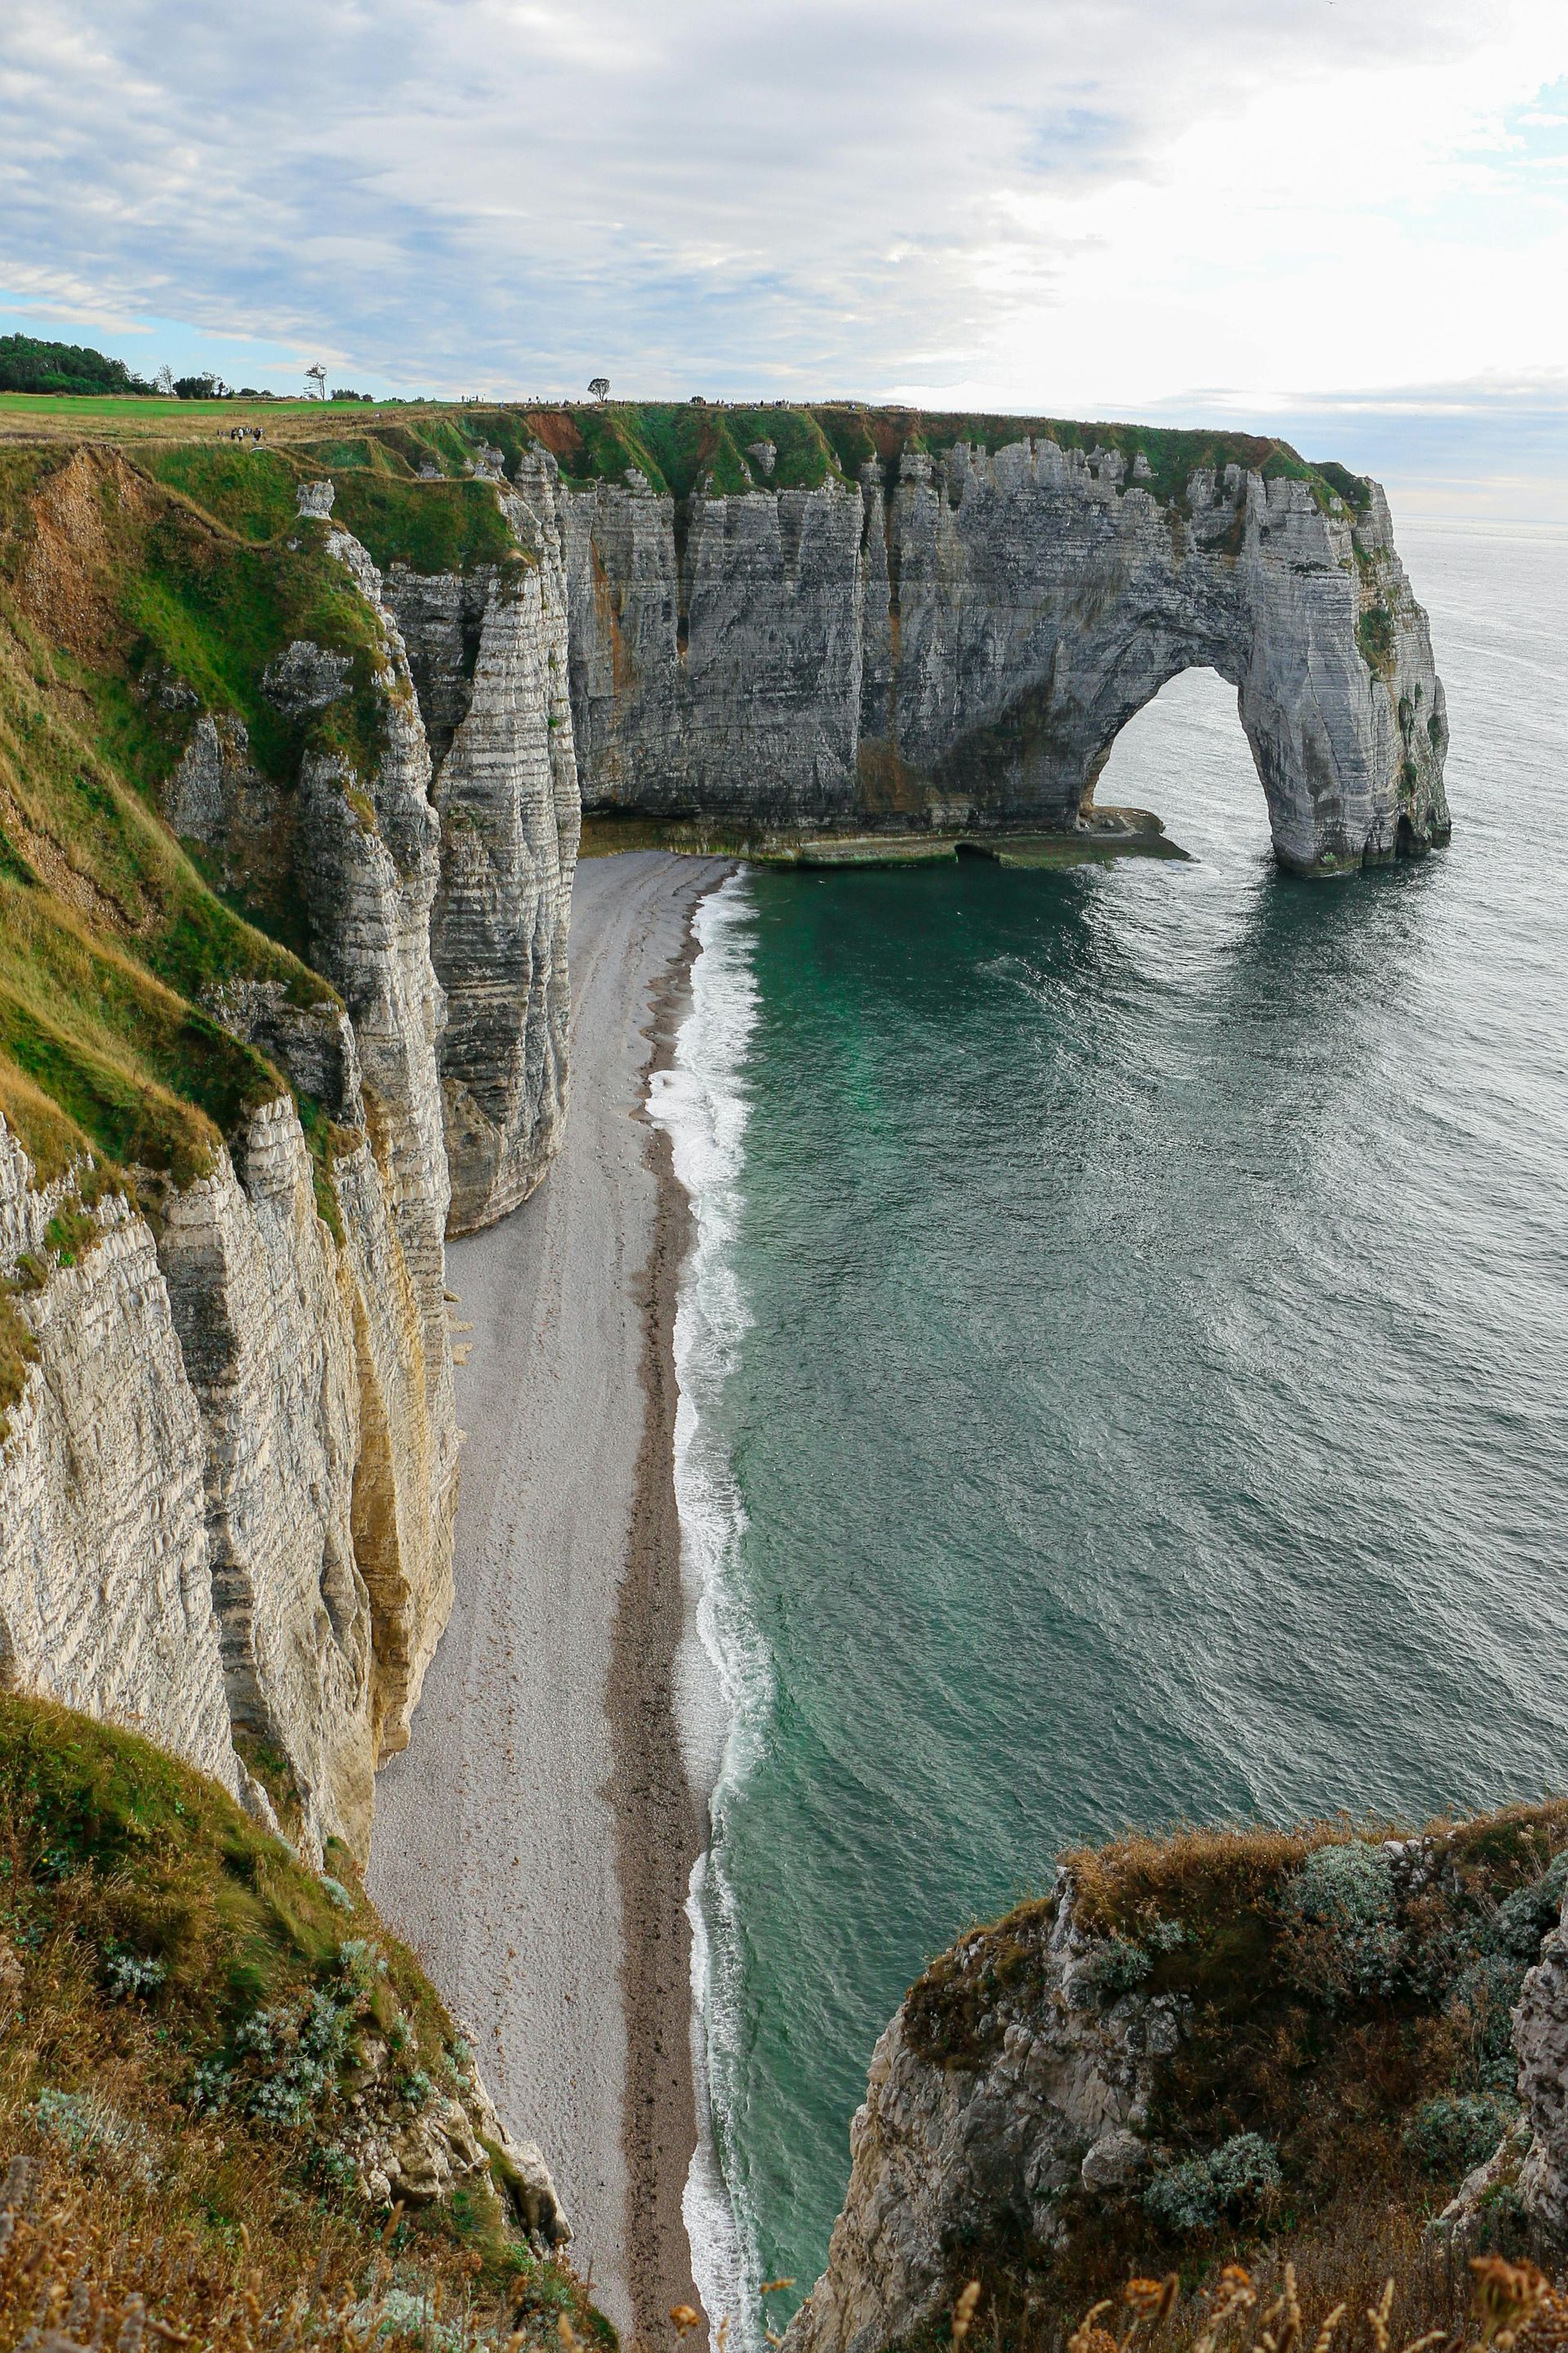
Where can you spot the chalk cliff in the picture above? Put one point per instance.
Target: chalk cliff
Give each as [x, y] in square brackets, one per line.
[229, 1460]
[958, 639]
[1226, 2039]
[488, 654]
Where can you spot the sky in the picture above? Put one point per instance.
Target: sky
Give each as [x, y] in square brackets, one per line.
[1343, 220]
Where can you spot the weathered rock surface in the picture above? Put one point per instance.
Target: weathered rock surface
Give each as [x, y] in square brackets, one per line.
[1541, 2043]
[940, 2151]
[262, 1304]
[105, 1591]
[488, 653]
[457, 2136]
[964, 647]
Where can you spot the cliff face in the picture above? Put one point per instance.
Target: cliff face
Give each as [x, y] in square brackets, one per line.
[105, 1590]
[961, 646]
[229, 1461]
[489, 655]
[1249, 2041]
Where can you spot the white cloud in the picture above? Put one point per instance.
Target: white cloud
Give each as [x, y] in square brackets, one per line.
[1030, 204]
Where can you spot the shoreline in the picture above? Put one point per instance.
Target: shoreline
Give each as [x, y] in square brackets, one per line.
[534, 1841]
[660, 1830]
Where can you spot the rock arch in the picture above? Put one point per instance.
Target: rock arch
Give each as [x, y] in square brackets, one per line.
[962, 647]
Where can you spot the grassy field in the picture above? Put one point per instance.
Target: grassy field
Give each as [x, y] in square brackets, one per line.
[679, 447]
[34, 416]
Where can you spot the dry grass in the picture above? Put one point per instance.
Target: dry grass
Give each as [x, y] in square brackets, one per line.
[88, 2261]
[1379, 2286]
[144, 1924]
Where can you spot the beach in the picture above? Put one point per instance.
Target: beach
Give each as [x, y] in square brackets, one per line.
[534, 1841]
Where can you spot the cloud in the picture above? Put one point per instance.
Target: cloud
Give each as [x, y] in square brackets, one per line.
[1073, 204]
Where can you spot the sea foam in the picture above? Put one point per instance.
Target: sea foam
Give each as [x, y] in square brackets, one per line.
[723, 1677]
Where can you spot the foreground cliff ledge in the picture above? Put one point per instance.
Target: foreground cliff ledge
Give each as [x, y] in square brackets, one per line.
[1345, 2051]
[235, 2111]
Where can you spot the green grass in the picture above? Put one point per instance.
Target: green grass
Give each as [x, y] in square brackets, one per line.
[195, 415]
[679, 446]
[445, 526]
[144, 1074]
[108, 934]
[170, 1953]
[252, 493]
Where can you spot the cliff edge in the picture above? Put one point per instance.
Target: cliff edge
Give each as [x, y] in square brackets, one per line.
[1243, 2047]
[282, 995]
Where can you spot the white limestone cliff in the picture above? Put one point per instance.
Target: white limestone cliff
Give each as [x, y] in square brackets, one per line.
[488, 651]
[962, 647]
[1059, 2101]
[105, 1588]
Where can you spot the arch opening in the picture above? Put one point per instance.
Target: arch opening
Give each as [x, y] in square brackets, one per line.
[1185, 757]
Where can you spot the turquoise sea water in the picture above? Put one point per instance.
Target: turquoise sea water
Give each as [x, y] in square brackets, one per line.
[1126, 1360]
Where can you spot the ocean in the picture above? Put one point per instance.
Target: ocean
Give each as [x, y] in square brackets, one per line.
[1124, 1369]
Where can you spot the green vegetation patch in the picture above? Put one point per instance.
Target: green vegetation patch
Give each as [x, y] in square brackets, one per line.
[445, 526]
[1375, 633]
[140, 1071]
[216, 616]
[680, 446]
[198, 2011]
[1344, 2006]
[252, 490]
[107, 935]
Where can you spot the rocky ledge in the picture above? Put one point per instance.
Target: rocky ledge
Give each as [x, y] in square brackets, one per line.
[1222, 2046]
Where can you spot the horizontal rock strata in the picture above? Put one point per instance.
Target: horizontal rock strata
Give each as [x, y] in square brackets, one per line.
[962, 647]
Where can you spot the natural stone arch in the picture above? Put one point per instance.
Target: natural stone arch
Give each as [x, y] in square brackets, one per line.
[1306, 613]
[1150, 752]
[961, 648]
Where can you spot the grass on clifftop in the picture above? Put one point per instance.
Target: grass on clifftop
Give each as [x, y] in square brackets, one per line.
[107, 934]
[1344, 2057]
[678, 446]
[681, 448]
[141, 589]
[164, 1964]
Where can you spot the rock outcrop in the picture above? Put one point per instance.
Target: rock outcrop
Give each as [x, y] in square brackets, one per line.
[488, 653]
[1202, 2039]
[268, 1407]
[942, 2150]
[424, 2160]
[228, 1480]
[1541, 2041]
[106, 1600]
[961, 646]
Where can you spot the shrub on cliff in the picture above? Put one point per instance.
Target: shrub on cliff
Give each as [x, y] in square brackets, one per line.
[1237, 2180]
[1346, 1894]
[1450, 2135]
[197, 2042]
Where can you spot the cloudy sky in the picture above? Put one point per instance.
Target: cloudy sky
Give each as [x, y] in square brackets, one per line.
[1345, 219]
